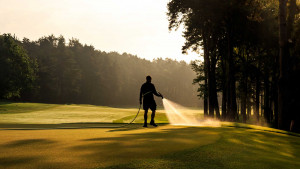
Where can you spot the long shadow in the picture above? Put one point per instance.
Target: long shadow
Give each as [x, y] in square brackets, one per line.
[29, 142]
[11, 161]
[17, 161]
[238, 125]
[85, 125]
[135, 126]
[145, 144]
[236, 148]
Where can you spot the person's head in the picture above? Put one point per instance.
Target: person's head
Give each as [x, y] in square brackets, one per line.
[148, 78]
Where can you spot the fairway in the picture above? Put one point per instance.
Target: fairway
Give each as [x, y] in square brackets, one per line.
[171, 84]
[33, 137]
[38, 113]
[162, 147]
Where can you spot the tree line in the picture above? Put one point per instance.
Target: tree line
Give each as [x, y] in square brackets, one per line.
[251, 57]
[50, 70]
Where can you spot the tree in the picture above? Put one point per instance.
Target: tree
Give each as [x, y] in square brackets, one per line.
[17, 70]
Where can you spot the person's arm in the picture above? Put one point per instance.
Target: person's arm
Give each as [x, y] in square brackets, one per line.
[156, 93]
[141, 95]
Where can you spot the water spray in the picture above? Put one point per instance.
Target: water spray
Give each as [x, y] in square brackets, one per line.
[179, 115]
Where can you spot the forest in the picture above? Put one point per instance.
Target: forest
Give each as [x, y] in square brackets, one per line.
[249, 71]
[251, 57]
[51, 70]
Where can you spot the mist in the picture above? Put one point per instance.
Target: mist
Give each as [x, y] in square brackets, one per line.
[180, 115]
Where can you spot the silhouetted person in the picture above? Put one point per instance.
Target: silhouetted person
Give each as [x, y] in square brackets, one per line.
[147, 91]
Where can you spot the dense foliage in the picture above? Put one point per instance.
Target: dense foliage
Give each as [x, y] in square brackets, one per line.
[77, 73]
[243, 61]
[17, 70]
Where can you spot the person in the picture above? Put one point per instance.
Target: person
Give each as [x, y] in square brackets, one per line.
[147, 91]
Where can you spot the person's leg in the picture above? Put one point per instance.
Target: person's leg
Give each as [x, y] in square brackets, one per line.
[152, 117]
[145, 117]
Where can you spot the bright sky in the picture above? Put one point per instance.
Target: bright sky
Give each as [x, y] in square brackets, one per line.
[138, 27]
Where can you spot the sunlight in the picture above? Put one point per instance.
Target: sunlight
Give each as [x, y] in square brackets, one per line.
[179, 115]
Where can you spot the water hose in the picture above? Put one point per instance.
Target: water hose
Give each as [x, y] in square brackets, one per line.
[138, 111]
[133, 118]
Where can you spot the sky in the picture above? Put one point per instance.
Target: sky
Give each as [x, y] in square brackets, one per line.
[138, 27]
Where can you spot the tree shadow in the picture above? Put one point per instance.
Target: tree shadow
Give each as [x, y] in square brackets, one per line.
[145, 145]
[29, 142]
[12, 161]
[236, 148]
[271, 130]
[83, 125]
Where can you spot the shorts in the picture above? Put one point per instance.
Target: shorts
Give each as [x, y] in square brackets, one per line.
[151, 106]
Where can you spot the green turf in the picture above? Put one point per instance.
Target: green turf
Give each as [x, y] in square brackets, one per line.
[234, 145]
[236, 148]
[32, 113]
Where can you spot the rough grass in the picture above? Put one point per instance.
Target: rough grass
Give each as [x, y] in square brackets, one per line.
[233, 145]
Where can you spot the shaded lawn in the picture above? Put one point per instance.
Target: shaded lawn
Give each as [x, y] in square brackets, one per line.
[162, 147]
[236, 148]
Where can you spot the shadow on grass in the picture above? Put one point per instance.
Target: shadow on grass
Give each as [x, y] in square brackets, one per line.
[236, 148]
[29, 142]
[144, 145]
[12, 161]
[86, 125]
[135, 126]
[272, 130]
[21, 145]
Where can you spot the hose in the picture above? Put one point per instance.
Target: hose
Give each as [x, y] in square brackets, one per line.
[133, 118]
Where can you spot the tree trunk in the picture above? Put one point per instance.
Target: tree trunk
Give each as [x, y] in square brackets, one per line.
[211, 103]
[248, 108]
[224, 89]
[267, 113]
[244, 98]
[275, 92]
[205, 101]
[283, 122]
[292, 11]
[206, 78]
[257, 92]
[231, 93]
[213, 85]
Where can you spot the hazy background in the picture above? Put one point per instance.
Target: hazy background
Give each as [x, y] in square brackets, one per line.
[133, 26]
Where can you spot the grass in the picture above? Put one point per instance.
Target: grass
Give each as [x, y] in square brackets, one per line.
[38, 113]
[233, 145]
[234, 148]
